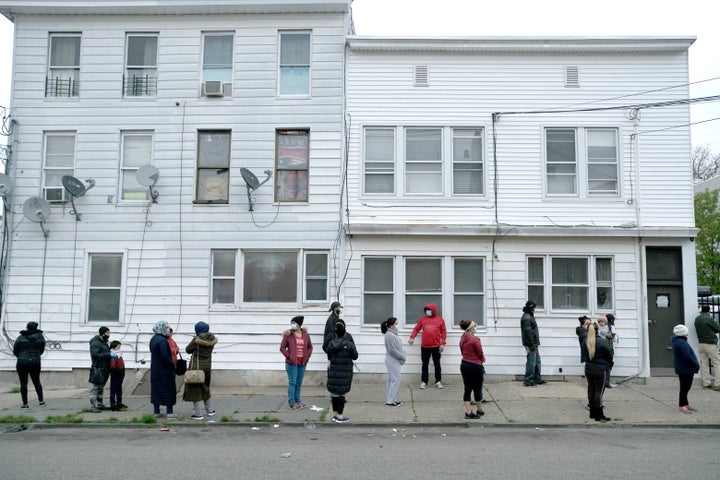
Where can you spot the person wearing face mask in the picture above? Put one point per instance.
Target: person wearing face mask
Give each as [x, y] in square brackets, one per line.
[297, 348]
[531, 342]
[471, 368]
[433, 342]
[329, 333]
[100, 368]
[394, 360]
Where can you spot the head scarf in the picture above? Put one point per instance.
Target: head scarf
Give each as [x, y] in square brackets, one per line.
[161, 327]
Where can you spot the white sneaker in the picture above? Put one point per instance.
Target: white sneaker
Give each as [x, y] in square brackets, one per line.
[439, 385]
[423, 385]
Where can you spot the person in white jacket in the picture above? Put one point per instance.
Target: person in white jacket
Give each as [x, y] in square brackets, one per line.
[394, 360]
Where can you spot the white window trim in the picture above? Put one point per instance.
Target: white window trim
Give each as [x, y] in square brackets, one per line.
[127, 67]
[447, 163]
[582, 165]
[278, 93]
[77, 68]
[219, 33]
[45, 169]
[122, 170]
[137, 288]
[306, 277]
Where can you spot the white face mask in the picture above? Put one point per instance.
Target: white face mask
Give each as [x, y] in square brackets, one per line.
[339, 311]
[428, 313]
[293, 326]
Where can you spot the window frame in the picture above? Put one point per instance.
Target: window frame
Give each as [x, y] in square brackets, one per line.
[231, 65]
[131, 170]
[59, 171]
[302, 183]
[480, 321]
[216, 277]
[142, 88]
[546, 304]
[122, 288]
[220, 168]
[281, 65]
[446, 183]
[307, 278]
[583, 175]
[53, 84]
[456, 163]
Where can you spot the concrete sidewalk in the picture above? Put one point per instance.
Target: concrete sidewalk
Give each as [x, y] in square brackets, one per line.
[509, 403]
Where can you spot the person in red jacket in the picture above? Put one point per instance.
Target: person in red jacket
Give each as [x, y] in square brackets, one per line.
[433, 342]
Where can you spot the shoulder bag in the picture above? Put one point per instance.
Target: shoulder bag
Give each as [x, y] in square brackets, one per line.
[195, 376]
[181, 366]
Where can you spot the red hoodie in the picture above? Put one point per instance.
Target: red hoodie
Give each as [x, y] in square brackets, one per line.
[433, 329]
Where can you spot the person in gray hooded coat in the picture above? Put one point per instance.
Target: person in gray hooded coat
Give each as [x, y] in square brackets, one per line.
[394, 360]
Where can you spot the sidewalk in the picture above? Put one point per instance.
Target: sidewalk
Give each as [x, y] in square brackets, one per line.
[555, 404]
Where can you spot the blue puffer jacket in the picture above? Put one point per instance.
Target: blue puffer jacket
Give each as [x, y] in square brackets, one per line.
[685, 360]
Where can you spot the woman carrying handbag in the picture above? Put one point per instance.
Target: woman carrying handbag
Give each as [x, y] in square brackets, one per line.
[201, 348]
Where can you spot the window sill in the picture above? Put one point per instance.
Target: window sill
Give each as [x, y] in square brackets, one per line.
[210, 202]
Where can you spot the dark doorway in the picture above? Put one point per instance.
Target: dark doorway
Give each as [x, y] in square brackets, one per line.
[665, 304]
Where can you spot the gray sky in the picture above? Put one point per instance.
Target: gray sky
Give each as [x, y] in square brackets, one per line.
[479, 18]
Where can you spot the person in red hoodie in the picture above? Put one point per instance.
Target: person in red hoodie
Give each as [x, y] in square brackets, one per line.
[433, 342]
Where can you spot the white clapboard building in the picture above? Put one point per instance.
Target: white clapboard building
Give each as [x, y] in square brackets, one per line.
[244, 162]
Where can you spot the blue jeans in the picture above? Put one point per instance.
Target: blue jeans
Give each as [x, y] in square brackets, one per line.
[295, 374]
[532, 367]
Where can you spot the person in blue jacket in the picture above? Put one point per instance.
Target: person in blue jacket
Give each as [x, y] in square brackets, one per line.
[686, 365]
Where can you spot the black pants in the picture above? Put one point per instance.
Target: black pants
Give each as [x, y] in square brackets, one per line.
[33, 371]
[425, 354]
[116, 381]
[472, 375]
[686, 380]
[338, 404]
[596, 387]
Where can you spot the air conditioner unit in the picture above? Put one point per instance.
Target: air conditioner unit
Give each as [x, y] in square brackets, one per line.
[213, 89]
[56, 194]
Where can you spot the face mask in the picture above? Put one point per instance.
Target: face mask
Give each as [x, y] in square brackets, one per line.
[293, 326]
[428, 313]
[339, 311]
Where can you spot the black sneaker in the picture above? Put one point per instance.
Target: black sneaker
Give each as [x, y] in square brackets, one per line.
[42, 403]
[24, 405]
[471, 415]
[394, 404]
[196, 417]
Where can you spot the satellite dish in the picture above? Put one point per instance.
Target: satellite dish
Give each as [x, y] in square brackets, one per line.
[6, 185]
[37, 210]
[252, 183]
[76, 189]
[148, 176]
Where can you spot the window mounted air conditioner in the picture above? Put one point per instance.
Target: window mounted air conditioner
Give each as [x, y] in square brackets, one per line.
[56, 194]
[213, 89]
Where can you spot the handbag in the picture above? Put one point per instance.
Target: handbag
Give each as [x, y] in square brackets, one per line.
[181, 366]
[195, 376]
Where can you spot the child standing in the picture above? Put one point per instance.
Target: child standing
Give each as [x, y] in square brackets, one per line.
[117, 375]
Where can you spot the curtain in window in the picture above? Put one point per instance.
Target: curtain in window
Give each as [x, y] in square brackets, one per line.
[295, 64]
[218, 58]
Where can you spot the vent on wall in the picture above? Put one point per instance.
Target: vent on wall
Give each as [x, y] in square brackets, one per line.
[572, 77]
[421, 76]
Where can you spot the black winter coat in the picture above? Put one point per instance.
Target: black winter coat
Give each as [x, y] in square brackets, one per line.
[341, 353]
[100, 355]
[162, 372]
[603, 359]
[28, 347]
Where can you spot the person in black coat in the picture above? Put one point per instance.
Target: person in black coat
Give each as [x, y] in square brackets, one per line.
[341, 352]
[100, 368]
[686, 365]
[162, 371]
[28, 348]
[597, 356]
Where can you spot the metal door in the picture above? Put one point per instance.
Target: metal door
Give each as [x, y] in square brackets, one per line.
[665, 310]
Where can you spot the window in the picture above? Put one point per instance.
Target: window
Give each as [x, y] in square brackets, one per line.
[316, 277]
[105, 287]
[378, 290]
[141, 65]
[573, 282]
[380, 160]
[469, 290]
[268, 277]
[59, 161]
[568, 149]
[217, 62]
[294, 63]
[223, 277]
[423, 160]
[63, 65]
[292, 164]
[136, 152]
[399, 286]
[436, 161]
[467, 162]
[213, 166]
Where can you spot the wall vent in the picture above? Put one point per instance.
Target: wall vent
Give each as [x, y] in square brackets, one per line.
[572, 77]
[421, 76]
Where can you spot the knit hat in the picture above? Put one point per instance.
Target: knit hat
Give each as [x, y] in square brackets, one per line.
[530, 304]
[103, 330]
[299, 320]
[32, 326]
[680, 331]
[334, 305]
[201, 327]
